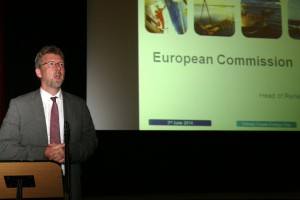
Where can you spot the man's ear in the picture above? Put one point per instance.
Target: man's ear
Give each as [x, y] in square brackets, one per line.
[38, 72]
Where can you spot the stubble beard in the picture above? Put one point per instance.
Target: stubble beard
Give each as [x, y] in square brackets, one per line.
[54, 84]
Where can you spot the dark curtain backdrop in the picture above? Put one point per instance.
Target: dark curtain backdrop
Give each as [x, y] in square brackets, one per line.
[28, 26]
[1, 64]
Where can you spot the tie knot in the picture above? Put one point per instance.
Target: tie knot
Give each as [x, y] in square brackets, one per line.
[53, 99]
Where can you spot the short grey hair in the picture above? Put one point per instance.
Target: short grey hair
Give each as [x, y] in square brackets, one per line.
[49, 49]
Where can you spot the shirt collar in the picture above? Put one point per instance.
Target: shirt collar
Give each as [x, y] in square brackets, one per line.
[46, 96]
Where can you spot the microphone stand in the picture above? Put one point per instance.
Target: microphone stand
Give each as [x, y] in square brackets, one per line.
[19, 189]
[67, 181]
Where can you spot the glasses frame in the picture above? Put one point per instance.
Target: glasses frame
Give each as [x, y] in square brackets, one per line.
[52, 64]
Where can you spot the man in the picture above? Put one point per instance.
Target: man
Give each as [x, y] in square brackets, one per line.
[26, 132]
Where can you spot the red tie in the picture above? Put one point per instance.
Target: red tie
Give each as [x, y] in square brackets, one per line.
[54, 123]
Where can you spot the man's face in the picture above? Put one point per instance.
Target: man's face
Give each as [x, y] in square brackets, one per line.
[51, 71]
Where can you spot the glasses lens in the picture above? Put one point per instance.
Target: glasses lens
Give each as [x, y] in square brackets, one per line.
[53, 64]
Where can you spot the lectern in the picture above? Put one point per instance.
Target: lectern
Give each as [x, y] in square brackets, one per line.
[30, 179]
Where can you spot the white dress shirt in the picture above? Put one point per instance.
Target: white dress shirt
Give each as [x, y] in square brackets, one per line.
[47, 103]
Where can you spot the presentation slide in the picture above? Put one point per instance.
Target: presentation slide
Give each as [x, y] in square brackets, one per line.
[219, 65]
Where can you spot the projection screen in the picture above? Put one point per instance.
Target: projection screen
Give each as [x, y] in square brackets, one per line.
[202, 65]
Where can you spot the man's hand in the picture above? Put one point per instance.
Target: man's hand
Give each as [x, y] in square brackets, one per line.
[56, 152]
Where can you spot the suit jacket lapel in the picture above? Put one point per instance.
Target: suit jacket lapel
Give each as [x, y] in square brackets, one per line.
[67, 101]
[39, 116]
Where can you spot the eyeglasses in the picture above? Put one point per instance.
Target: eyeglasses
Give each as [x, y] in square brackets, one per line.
[53, 64]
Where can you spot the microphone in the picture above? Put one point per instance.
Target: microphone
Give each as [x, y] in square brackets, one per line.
[67, 161]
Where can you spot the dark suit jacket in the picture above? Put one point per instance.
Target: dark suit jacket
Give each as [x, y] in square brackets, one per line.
[23, 134]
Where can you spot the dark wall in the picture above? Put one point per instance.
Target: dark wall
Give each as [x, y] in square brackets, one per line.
[144, 162]
[149, 162]
[28, 26]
